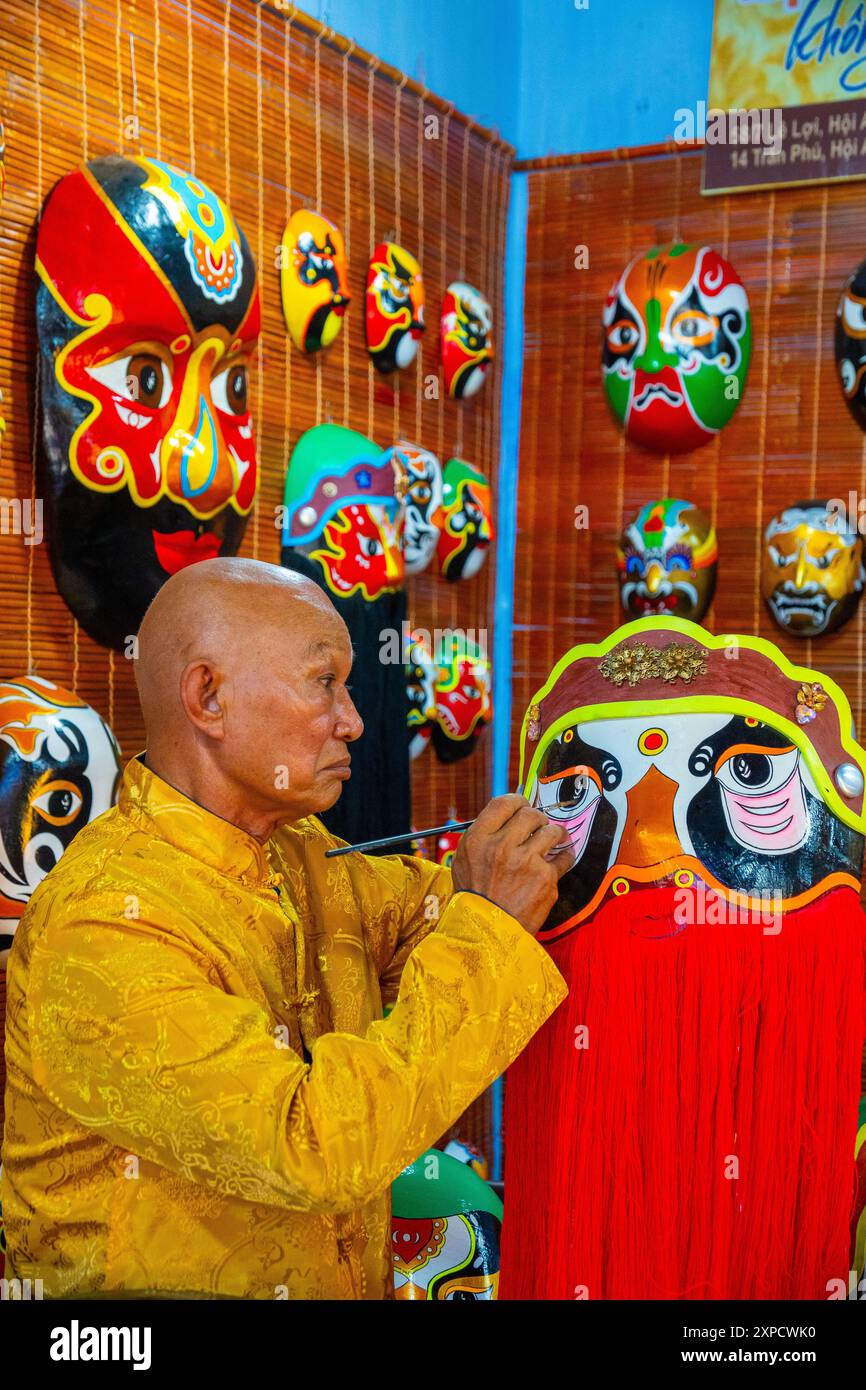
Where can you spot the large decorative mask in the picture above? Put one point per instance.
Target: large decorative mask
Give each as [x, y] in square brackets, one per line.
[445, 1228]
[313, 280]
[465, 522]
[422, 472]
[395, 307]
[343, 509]
[147, 314]
[463, 700]
[466, 339]
[667, 561]
[420, 693]
[851, 343]
[676, 347]
[812, 571]
[710, 931]
[59, 769]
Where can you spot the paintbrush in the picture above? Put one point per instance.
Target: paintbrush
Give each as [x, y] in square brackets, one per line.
[450, 829]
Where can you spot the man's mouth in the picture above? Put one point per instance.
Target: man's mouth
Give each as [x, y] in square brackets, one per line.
[177, 549]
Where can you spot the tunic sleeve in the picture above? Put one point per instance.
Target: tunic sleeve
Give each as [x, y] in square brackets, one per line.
[132, 1034]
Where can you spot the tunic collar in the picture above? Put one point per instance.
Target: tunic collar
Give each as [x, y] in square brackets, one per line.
[189, 827]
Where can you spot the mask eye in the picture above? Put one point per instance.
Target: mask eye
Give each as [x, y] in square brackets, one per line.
[694, 329]
[854, 316]
[779, 558]
[622, 336]
[567, 796]
[58, 802]
[371, 546]
[229, 390]
[749, 770]
[142, 377]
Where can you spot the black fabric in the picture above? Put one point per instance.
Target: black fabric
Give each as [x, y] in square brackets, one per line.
[376, 800]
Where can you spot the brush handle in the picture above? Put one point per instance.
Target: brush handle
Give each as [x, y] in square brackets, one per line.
[399, 839]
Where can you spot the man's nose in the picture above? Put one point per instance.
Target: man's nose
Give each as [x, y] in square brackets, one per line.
[350, 725]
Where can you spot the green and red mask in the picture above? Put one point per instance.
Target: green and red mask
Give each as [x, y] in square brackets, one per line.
[343, 509]
[445, 1229]
[147, 313]
[465, 521]
[676, 347]
[667, 559]
[463, 700]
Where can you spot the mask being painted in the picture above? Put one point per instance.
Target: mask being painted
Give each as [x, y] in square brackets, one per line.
[147, 314]
[344, 510]
[667, 560]
[466, 339]
[445, 1229]
[711, 935]
[676, 347]
[465, 521]
[812, 572]
[395, 307]
[313, 280]
[59, 769]
[422, 474]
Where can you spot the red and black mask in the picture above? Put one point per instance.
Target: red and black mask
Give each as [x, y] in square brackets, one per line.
[147, 314]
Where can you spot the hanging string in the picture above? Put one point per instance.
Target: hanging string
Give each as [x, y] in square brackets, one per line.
[373, 64]
[317, 114]
[464, 174]
[118, 67]
[419, 368]
[284, 269]
[156, 96]
[189, 88]
[83, 61]
[398, 217]
[31, 549]
[227, 148]
[347, 216]
[628, 226]
[762, 420]
[443, 245]
[490, 210]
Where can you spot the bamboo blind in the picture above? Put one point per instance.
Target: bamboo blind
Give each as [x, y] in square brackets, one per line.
[274, 112]
[791, 438]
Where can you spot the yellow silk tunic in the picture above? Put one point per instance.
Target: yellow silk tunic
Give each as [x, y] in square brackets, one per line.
[203, 1098]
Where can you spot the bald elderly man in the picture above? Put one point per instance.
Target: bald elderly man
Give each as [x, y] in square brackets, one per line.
[204, 1099]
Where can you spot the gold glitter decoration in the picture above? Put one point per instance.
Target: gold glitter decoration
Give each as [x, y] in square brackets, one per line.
[638, 662]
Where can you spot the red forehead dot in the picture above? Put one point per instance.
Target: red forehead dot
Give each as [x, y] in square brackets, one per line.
[652, 742]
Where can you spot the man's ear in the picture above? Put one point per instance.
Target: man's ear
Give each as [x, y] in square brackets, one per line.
[202, 698]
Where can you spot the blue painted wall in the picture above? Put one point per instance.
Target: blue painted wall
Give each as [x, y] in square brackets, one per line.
[552, 78]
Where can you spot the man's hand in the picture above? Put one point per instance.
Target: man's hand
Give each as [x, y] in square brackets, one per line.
[503, 856]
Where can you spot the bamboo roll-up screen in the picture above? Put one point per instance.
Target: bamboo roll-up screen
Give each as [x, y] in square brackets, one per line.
[791, 438]
[275, 113]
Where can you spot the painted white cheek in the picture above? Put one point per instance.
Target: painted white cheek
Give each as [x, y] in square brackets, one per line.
[406, 350]
[473, 382]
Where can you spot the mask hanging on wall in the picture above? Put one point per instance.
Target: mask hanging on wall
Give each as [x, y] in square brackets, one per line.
[463, 700]
[343, 528]
[445, 1233]
[59, 769]
[465, 522]
[851, 343]
[422, 473]
[395, 307]
[313, 280]
[667, 560]
[343, 508]
[420, 693]
[710, 931]
[466, 339]
[147, 314]
[812, 572]
[676, 347]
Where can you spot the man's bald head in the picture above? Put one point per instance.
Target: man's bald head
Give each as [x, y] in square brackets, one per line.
[234, 656]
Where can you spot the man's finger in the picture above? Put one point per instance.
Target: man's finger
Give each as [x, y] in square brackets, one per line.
[500, 811]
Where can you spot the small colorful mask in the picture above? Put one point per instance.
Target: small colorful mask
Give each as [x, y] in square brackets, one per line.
[445, 1228]
[467, 1153]
[463, 700]
[710, 932]
[422, 472]
[395, 307]
[466, 339]
[313, 280]
[147, 313]
[59, 769]
[465, 522]
[420, 693]
[343, 508]
[445, 848]
[851, 343]
[667, 561]
[676, 347]
[812, 572]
